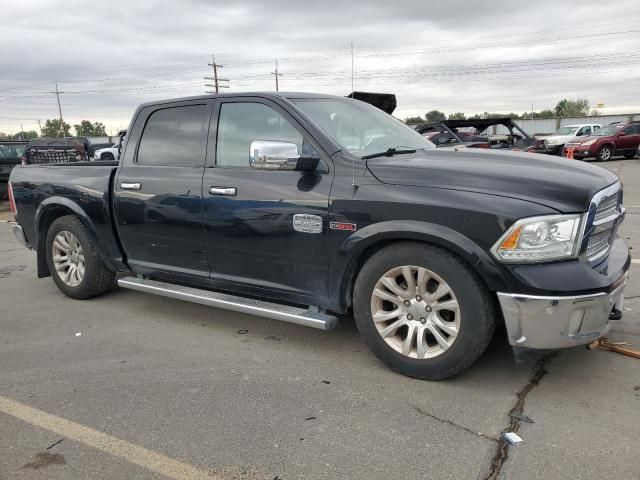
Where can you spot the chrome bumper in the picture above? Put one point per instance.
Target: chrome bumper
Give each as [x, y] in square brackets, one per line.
[19, 233]
[558, 322]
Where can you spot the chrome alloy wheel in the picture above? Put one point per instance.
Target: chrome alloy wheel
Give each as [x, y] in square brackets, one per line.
[415, 311]
[605, 153]
[68, 258]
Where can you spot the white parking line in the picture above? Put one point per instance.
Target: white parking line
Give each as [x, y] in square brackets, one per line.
[635, 260]
[132, 453]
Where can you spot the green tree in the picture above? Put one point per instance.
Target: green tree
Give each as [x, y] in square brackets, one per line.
[435, 116]
[88, 129]
[414, 120]
[51, 128]
[572, 108]
[26, 135]
[457, 116]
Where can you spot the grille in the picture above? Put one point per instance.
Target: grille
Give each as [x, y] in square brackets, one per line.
[598, 243]
[607, 207]
[601, 230]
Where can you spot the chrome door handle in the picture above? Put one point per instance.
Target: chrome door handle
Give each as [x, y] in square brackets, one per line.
[226, 191]
[130, 185]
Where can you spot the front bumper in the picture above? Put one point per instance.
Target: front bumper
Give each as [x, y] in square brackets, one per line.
[543, 322]
[582, 152]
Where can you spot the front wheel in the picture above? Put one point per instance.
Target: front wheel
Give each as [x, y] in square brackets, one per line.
[605, 153]
[73, 260]
[422, 311]
[107, 157]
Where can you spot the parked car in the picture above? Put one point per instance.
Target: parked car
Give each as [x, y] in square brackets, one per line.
[11, 153]
[442, 136]
[515, 138]
[106, 154]
[615, 139]
[98, 146]
[554, 144]
[276, 211]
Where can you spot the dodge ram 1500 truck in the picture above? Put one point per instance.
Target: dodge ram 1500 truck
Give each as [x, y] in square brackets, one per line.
[299, 207]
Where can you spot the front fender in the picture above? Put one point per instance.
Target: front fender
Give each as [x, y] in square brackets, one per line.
[349, 256]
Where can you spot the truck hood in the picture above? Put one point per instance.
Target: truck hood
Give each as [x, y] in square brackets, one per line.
[561, 184]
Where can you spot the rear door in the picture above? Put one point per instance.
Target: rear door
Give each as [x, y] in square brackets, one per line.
[629, 141]
[158, 189]
[264, 228]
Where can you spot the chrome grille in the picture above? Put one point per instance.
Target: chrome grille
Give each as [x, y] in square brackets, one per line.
[603, 217]
[608, 206]
[598, 242]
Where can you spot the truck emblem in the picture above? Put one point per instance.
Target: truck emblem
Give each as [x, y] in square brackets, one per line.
[307, 223]
[351, 227]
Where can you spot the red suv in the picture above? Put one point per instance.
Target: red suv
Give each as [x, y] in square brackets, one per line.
[614, 139]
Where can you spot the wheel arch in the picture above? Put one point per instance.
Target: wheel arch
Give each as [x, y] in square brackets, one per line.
[49, 211]
[360, 246]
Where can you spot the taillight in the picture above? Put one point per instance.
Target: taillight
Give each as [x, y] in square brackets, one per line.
[12, 202]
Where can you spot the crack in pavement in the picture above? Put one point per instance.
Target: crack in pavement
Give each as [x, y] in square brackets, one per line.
[516, 414]
[453, 424]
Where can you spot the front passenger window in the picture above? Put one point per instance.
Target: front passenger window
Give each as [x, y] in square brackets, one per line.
[241, 123]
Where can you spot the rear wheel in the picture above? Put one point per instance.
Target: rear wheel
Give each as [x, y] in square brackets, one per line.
[422, 311]
[629, 155]
[107, 156]
[605, 153]
[73, 260]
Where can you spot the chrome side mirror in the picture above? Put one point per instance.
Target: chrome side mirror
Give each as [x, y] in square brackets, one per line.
[273, 155]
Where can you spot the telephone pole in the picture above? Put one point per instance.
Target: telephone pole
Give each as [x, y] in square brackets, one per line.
[276, 74]
[58, 92]
[217, 82]
[40, 126]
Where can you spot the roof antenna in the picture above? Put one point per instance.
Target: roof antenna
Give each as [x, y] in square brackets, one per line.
[353, 131]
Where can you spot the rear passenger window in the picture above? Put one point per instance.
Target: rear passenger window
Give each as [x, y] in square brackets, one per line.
[174, 137]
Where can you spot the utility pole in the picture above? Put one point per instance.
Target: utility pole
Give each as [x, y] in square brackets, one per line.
[22, 130]
[217, 82]
[352, 67]
[40, 126]
[58, 92]
[277, 74]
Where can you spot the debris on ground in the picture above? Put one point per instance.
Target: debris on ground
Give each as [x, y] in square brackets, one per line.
[512, 437]
[78, 334]
[618, 347]
[522, 417]
[242, 331]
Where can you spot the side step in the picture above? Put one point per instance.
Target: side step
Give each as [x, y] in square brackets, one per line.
[285, 313]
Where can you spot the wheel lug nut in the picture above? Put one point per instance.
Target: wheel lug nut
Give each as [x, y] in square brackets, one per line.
[428, 309]
[423, 320]
[419, 298]
[407, 303]
[410, 317]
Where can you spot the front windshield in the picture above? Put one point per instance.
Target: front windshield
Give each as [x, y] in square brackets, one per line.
[360, 128]
[609, 130]
[566, 131]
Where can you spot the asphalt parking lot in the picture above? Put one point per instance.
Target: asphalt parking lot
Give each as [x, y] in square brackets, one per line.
[131, 385]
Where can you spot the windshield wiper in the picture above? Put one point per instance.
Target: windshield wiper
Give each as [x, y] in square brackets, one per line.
[389, 153]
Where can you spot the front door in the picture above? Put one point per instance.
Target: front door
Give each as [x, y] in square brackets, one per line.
[158, 190]
[266, 229]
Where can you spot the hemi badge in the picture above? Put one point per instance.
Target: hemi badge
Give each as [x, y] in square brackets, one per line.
[307, 223]
[343, 226]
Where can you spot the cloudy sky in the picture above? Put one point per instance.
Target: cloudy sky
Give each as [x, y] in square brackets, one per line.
[468, 56]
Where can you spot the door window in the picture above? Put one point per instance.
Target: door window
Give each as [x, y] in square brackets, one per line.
[174, 137]
[241, 123]
[584, 131]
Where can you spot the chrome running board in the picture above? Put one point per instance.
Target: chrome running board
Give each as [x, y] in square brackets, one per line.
[276, 311]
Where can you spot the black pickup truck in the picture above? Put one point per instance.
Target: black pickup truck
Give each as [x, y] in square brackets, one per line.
[300, 207]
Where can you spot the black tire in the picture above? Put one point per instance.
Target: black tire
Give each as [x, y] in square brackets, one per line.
[107, 156]
[629, 155]
[605, 153]
[477, 310]
[97, 278]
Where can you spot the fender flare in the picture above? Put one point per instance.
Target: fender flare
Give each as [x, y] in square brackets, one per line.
[350, 251]
[75, 209]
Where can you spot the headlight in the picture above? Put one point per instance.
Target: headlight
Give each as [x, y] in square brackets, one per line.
[590, 142]
[550, 141]
[539, 239]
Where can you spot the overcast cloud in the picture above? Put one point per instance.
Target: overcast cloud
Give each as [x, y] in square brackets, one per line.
[497, 56]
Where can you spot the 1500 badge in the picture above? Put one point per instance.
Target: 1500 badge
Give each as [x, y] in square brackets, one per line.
[351, 227]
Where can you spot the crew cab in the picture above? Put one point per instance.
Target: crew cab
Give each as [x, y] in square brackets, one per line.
[614, 139]
[299, 207]
[554, 144]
